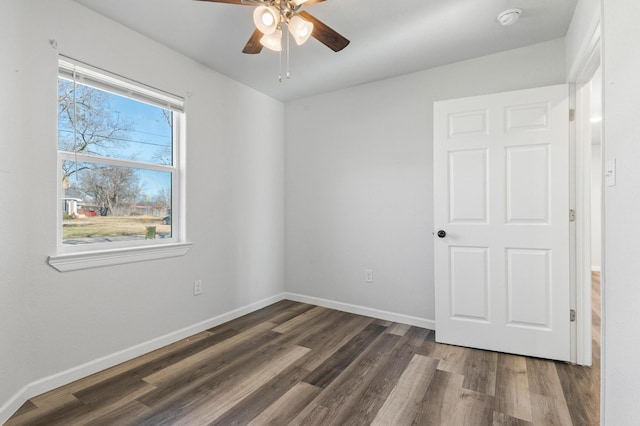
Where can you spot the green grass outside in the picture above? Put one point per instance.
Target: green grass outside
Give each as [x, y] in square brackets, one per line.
[111, 226]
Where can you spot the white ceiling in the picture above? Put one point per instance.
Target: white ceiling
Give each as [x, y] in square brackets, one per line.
[388, 37]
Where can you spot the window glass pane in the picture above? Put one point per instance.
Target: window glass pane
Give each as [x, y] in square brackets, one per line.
[111, 125]
[104, 203]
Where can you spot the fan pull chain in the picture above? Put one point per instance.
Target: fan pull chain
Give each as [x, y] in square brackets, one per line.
[288, 73]
[280, 67]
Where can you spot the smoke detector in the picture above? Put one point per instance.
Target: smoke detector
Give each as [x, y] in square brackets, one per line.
[509, 16]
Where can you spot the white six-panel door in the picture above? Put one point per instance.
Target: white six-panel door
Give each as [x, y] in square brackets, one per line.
[501, 194]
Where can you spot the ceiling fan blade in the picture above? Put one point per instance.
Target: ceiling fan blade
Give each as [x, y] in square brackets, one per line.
[253, 46]
[307, 2]
[324, 34]
[242, 2]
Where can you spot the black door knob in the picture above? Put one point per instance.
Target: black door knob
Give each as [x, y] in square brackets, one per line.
[442, 234]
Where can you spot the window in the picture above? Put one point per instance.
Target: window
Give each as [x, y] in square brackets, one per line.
[118, 161]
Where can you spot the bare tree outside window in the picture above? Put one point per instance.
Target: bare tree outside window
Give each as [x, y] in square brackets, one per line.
[86, 124]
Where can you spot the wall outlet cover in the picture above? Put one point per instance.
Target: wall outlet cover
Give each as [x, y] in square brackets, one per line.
[368, 275]
[197, 287]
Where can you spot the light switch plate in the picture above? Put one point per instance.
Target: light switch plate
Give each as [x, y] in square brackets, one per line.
[610, 173]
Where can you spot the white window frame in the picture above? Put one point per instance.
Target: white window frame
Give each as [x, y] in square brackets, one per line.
[85, 256]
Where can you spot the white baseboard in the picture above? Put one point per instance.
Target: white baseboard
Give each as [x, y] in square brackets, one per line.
[595, 268]
[64, 377]
[12, 405]
[363, 310]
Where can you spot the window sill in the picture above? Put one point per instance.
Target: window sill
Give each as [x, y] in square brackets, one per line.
[97, 259]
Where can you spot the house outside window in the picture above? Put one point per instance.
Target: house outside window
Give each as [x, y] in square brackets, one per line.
[119, 144]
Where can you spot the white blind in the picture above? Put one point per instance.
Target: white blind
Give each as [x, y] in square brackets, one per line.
[103, 80]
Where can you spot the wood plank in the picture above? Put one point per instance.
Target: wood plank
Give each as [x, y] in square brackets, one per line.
[501, 419]
[348, 388]
[453, 359]
[549, 411]
[581, 389]
[543, 378]
[50, 415]
[256, 403]
[383, 323]
[213, 373]
[291, 312]
[253, 319]
[122, 416]
[205, 411]
[334, 365]
[480, 371]
[171, 403]
[336, 327]
[344, 393]
[287, 407]
[378, 390]
[398, 329]
[400, 406]
[418, 336]
[301, 335]
[327, 341]
[423, 339]
[76, 412]
[465, 407]
[114, 405]
[299, 320]
[512, 387]
[432, 409]
[180, 367]
[313, 414]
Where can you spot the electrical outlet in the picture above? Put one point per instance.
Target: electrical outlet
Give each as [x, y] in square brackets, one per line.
[368, 276]
[197, 287]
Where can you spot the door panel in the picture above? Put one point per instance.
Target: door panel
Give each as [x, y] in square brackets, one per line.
[527, 117]
[528, 184]
[468, 202]
[501, 193]
[468, 123]
[470, 283]
[528, 282]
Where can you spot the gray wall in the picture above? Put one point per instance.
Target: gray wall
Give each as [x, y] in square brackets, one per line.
[52, 321]
[14, 330]
[359, 189]
[621, 292]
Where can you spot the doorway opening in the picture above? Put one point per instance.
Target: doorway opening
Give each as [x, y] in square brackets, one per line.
[589, 204]
[595, 187]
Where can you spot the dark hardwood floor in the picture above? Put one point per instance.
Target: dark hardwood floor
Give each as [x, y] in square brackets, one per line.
[293, 363]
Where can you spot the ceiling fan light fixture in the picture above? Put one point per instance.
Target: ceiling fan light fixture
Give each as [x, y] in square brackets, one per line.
[298, 2]
[509, 16]
[300, 29]
[266, 19]
[272, 41]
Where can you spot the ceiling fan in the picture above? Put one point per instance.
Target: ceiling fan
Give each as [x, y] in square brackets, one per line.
[270, 16]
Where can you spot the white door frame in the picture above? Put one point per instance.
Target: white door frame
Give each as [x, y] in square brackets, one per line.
[587, 63]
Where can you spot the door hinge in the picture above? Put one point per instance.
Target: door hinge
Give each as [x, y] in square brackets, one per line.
[572, 215]
[572, 114]
[572, 315]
